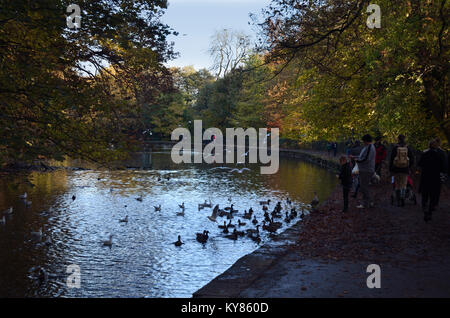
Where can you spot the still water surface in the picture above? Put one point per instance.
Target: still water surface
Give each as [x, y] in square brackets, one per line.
[142, 262]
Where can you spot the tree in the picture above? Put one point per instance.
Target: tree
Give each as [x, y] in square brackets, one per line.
[391, 79]
[217, 100]
[62, 91]
[229, 49]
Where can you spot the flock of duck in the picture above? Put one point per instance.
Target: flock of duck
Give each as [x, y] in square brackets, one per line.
[10, 210]
[247, 224]
[37, 235]
[269, 223]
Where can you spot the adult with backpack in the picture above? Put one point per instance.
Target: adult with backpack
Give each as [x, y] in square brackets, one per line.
[401, 161]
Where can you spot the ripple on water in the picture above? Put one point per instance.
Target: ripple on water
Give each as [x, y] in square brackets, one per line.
[142, 262]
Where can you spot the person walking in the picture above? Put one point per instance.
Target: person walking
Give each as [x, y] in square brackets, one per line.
[329, 148]
[345, 175]
[431, 166]
[401, 161]
[354, 151]
[444, 171]
[366, 167]
[381, 154]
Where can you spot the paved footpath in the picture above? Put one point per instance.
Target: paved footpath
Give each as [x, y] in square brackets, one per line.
[327, 254]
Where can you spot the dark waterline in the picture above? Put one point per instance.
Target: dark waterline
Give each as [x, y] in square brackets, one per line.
[142, 261]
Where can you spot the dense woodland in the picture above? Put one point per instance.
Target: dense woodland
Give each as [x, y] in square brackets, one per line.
[316, 71]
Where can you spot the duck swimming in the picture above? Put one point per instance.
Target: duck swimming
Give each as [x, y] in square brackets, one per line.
[125, 220]
[287, 219]
[253, 231]
[109, 242]
[240, 223]
[8, 211]
[73, 197]
[255, 221]
[255, 238]
[264, 202]
[230, 225]
[232, 236]
[222, 213]
[315, 201]
[140, 199]
[248, 215]
[223, 226]
[230, 215]
[157, 208]
[48, 241]
[202, 237]
[207, 204]
[178, 242]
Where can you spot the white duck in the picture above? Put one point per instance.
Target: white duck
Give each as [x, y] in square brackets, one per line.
[3, 221]
[8, 211]
[23, 196]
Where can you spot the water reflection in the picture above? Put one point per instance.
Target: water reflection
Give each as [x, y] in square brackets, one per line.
[142, 262]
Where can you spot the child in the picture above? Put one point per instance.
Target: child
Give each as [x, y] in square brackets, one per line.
[345, 176]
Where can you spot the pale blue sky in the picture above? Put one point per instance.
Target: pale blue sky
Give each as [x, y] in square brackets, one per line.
[198, 19]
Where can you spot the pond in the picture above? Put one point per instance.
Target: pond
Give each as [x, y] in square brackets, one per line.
[142, 261]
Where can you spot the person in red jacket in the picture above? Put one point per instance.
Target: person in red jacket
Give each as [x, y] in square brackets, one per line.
[380, 155]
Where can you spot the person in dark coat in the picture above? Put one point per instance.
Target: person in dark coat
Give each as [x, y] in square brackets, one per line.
[431, 165]
[444, 171]
[345, 175]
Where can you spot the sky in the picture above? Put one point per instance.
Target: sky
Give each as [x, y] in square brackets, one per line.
[197, 20]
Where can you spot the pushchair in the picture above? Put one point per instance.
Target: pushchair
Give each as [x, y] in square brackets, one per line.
[409, 193]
